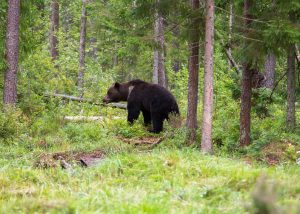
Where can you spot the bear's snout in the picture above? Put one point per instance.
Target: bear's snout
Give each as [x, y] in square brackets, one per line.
[106, 99]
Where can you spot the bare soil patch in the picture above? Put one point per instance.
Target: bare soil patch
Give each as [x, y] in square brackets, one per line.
[146, 140]
[68, 158]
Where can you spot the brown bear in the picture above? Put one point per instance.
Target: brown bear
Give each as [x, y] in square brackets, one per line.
[155, 102]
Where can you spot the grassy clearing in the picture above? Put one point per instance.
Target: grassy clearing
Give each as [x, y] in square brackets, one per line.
[171, 178]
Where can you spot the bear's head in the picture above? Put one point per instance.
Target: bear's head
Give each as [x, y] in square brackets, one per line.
[116, 93]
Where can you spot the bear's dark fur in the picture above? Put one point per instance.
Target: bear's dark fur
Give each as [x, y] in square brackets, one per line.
[154, 101]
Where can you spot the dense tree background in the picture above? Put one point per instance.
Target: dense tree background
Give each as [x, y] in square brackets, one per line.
[121, 43]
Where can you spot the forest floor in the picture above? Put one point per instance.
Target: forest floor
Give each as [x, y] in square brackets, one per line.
[93, 167]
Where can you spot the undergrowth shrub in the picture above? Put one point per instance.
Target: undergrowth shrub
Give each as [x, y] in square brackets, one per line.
[122, 128]
[48, 123]
[12, 124]
[78, 132]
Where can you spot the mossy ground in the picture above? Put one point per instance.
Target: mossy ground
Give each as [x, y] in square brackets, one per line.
[169, 178]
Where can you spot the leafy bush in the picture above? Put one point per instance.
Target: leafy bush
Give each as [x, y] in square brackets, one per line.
[48, 123]
[82, 132]
[12, 124]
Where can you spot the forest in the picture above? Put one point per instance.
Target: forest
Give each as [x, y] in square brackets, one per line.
[212, 122]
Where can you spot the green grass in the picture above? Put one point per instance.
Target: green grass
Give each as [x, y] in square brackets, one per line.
[171, 178]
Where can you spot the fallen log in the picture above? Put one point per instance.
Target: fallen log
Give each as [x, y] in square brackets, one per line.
[86, 118]
[79, 99]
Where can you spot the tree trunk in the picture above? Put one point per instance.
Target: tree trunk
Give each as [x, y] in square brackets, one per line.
[297, 55]
[290, 116]
[270, 65]
[12, 52]
[206, 141]
[54, 29]
[82, 48]
[159, 76]
[194, 34]
[245, 114]
[231, 16]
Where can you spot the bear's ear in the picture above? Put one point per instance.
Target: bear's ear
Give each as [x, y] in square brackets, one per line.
[117, 85]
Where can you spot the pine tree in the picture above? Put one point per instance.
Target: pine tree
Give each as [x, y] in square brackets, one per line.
[159, 75]
[54, 29]
[194, 34]
[82, 48]
[206, 141]
[245, 114]
[12, 52]
[290, 115]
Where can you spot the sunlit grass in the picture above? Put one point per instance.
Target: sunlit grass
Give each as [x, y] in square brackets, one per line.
[170, 178]
[163, 180]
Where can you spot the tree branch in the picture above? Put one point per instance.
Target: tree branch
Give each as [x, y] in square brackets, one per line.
[232, 61]
[276, 84]
[229, 55]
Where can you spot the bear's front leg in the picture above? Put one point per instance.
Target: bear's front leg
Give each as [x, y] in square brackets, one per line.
[147, 117]
[157, 122]
[133, 114]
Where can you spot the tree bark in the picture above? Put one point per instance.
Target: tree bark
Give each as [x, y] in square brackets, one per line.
[245, 114]
[206, 141]
[54, 29]
[290, 116]
[194, 34]
[231, 16]
[159, 76]
[12, 52]
[297, 52]
[82, 49]
[270, 65]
